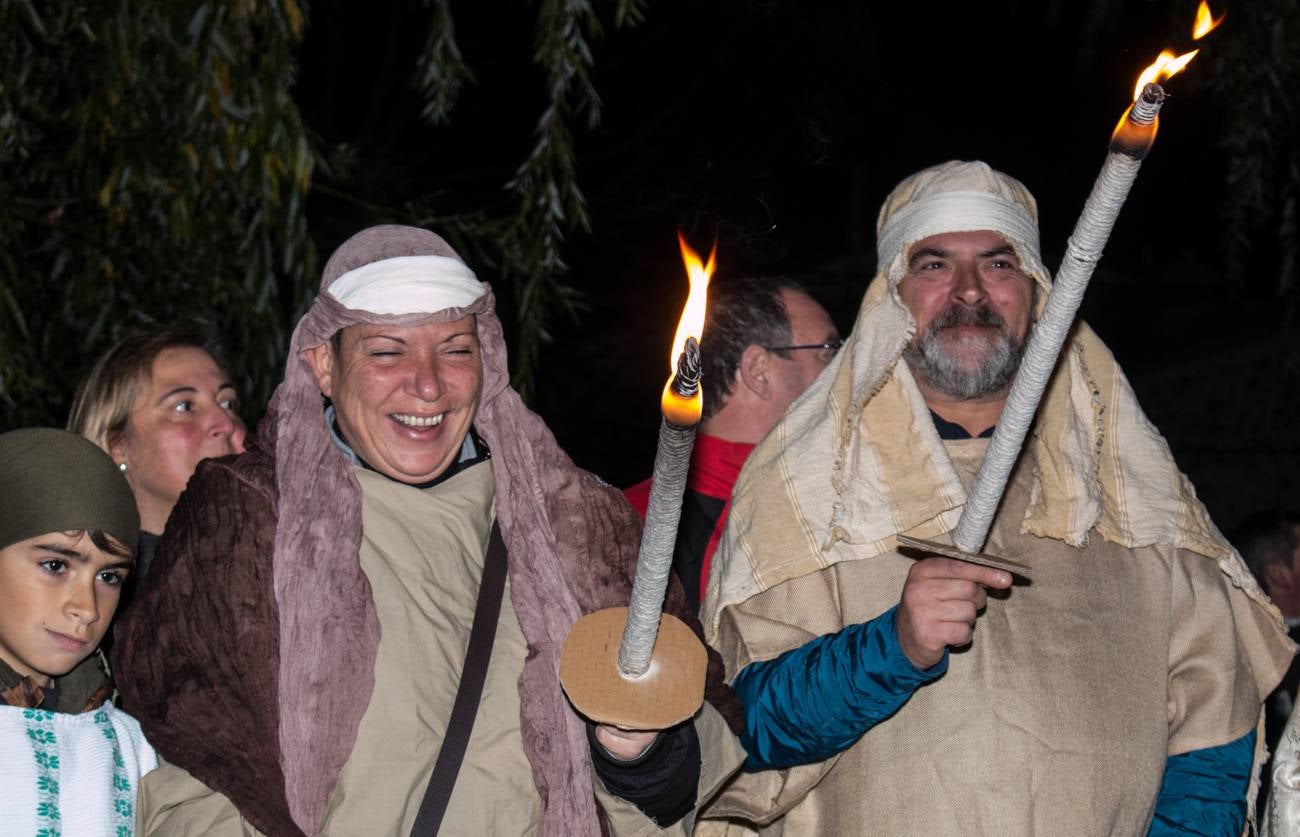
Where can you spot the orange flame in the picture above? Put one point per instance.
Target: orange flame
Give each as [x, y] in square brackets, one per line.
[1205, 22]
[1167, 64]
[692, 322]
[686, 411]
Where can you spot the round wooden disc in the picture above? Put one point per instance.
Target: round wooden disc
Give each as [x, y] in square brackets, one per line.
[670, 691]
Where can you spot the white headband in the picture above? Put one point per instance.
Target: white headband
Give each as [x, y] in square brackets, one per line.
[408, 285]
[959, 211]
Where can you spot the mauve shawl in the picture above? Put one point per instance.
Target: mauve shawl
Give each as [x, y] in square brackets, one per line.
[572, 542]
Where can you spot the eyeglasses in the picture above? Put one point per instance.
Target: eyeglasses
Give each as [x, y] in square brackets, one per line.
[831, 346]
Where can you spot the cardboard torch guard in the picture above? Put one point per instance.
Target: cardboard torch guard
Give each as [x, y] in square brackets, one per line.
[949, 551]
[670, 691]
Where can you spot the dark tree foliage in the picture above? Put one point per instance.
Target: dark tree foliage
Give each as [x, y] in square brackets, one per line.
[1256, 77]
[525, 247]
[1251, 69]
[153, 167]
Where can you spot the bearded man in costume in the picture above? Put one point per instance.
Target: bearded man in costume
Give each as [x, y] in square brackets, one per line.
[298, 658]
[1117, 692]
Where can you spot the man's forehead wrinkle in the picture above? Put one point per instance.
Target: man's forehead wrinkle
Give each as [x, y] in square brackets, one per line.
[930, 252]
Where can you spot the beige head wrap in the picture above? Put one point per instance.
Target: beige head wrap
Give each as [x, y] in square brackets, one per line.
[957, 197]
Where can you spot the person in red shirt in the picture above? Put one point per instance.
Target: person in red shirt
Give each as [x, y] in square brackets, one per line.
[765, 340]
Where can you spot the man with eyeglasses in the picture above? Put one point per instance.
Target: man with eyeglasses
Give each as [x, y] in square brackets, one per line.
[765, 341]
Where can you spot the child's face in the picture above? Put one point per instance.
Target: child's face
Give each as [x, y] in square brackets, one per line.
[58, 593]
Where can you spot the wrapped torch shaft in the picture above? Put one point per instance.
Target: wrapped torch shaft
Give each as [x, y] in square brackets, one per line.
[1129, 145]
[658, 539]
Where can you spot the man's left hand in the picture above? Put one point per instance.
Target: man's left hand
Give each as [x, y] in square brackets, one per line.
[625, 744]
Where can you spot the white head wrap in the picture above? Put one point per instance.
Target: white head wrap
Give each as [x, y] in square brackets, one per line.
[408, 285]
[958, 197]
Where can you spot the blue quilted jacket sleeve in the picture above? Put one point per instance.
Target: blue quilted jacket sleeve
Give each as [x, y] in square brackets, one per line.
[818, 699]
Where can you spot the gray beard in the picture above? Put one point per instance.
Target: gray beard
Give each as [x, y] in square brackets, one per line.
[941, 370]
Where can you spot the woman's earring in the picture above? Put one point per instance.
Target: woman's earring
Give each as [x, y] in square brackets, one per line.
[121, 466]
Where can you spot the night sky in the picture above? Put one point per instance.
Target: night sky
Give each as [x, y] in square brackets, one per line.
[778, 128]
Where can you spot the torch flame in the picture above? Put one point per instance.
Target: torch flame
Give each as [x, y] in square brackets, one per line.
[685, 412]
[1166, 65]
[1205, 22]
[692, 322]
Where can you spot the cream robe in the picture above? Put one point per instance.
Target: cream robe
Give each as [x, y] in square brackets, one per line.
[1059, 716]
[426, 608]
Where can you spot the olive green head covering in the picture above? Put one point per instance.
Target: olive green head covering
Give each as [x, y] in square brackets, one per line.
[56, 481]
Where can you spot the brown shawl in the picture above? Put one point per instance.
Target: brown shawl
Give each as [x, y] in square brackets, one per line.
[272, 728]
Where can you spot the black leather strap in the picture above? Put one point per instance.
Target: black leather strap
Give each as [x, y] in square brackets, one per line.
[461, 724]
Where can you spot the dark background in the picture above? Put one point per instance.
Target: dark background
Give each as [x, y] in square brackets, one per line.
[777, 128]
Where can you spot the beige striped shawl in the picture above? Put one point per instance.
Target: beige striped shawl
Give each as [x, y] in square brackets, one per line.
[857, 459]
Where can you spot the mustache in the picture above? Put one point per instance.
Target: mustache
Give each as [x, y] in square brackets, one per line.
[961, 315]
[943, 369]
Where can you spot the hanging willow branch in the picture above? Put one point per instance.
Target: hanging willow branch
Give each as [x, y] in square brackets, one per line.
[527, 247]
[153, 168]
[550, 202]
[440, 70]
[1254, 76]
[1252, 70]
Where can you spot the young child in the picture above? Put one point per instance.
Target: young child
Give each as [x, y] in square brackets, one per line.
[70, 762]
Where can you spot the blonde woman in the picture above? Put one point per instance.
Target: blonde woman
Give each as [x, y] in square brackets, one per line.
[159, 402]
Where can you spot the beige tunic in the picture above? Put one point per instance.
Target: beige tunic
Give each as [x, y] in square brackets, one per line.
[1057, 719]
[423, 552]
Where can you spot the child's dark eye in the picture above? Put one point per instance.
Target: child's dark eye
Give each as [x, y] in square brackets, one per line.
[54, 566]
[113, 578]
